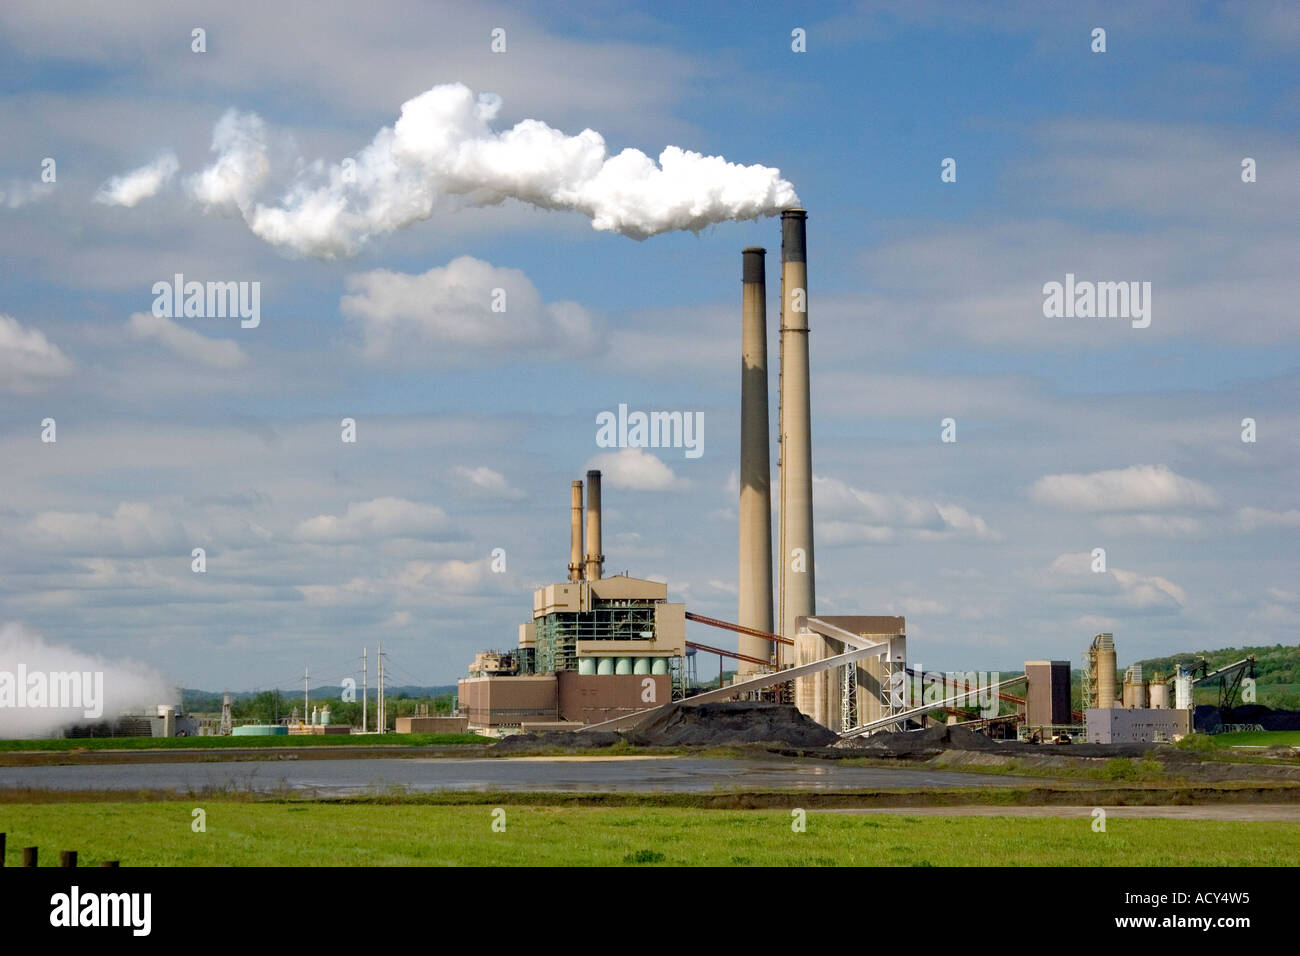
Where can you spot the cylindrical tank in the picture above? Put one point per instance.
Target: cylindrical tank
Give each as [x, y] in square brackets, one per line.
[1135, 694]
[1105, 671]
[641, 665]
[260, 730]
[604, 665]
[623, 665]
[586, 665]
[755, 577]
[659, 665]
[325, 716]
[1158, 693]
[1183, 692]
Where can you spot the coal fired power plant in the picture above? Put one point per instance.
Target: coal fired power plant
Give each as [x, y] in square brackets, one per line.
[606, 651]
[601, 649]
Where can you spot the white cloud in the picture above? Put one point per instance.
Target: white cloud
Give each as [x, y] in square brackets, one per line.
[414, 317]
[1136, 488]
[28, 360]
[20, 193]
[1136, 591]
[487, 481]
[848, 515]
[137, 185]
[635, 469]
[133, 527]
[187, 343]
[379, 518]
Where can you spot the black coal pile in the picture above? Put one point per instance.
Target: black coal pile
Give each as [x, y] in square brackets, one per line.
[927, 742]
[1208, 718]
[732, 722]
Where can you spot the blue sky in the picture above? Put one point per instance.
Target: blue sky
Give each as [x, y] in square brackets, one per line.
[925, 302]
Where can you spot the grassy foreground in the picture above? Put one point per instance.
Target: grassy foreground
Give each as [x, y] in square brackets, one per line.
[325, 834]
[218, 743]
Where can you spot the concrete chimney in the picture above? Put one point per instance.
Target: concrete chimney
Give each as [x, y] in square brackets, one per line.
[755, 573]
[797, 591]
[575, 532]
[595, 560]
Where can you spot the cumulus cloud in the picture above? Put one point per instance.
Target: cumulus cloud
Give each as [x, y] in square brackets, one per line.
[28, 360]
[378, 518]
[488, 482]
[420, 583]
[636, 470]
[132, 528]
[126, 686]
[442, 153]
[1136, 591]
[137, 185]
[468, 304]
[1136, 488]
[848, 515]
[187, 343]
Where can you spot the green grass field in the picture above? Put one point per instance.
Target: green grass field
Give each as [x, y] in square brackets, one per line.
[1259, 738]
[217, 743]
[323, 834]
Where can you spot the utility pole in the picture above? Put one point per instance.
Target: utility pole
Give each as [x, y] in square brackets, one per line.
[365, 691]
[306, 684]
[383, 718]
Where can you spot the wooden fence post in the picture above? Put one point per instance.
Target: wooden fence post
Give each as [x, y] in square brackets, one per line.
[67, 858]
[29, 856]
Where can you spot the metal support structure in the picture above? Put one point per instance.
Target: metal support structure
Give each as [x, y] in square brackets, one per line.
[884, 722]
[758, 683]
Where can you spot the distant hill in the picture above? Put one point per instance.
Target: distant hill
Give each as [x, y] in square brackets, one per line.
[207, 701]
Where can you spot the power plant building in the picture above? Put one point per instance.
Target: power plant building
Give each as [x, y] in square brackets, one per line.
[596, 647]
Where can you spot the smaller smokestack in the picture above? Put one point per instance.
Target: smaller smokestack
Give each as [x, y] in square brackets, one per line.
[575, 533]
[595, 559]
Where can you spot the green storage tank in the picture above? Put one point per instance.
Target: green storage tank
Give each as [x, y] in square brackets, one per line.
[659, 665]
[623, 665]
[260, 730]
[641, 666]
[586, 665]
[604, 665]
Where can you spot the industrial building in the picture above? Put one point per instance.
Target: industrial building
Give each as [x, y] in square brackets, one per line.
[1138, 708]
[596, 647]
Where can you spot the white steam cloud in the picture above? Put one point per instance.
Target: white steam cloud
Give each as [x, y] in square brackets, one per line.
[139, 184]
[442, 153]
[123, 686]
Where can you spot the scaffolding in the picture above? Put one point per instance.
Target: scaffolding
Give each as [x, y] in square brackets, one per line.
[557, 635]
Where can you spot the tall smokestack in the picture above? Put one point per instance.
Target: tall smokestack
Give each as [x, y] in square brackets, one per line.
[796, 549]
[575, 533]
[595, 560]
[755, 576]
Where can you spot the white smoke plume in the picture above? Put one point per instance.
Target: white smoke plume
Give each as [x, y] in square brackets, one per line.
[442, 153]
[127, 686]
[139, 184]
